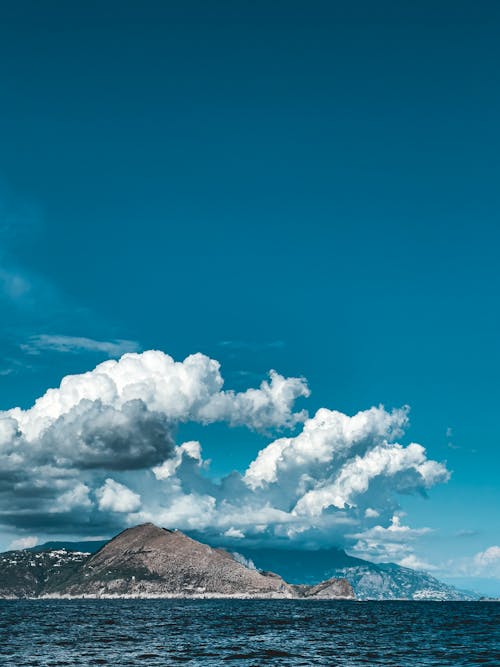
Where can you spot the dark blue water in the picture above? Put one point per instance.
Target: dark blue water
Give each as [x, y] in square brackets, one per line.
[253, 632]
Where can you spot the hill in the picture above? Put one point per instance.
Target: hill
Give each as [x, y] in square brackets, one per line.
[148, 561]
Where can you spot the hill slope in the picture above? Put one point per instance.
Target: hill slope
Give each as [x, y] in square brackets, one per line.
[147, 560]
[27, 574]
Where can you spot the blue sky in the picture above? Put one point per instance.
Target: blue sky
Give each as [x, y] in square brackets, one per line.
[310, 188]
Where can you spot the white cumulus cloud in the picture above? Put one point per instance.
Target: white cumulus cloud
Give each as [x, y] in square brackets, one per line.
[190, 390]
[116, 497]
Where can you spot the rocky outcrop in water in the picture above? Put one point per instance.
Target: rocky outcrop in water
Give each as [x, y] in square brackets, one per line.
[326, 590]
[148, 561]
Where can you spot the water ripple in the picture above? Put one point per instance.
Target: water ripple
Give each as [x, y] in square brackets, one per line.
[251, 633]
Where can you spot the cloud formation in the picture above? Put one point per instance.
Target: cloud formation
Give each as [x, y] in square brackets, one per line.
[99, 453]
[338, 481]
[340, 463]
[121, 416]
[483, 564]
[73, 344]
[392, 544]
[487, 562]
[178, 391]
[116, 497]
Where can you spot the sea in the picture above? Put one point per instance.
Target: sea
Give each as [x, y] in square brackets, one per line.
[248, 632]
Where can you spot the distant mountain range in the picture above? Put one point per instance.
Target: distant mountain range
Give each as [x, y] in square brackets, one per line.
[148, 561]
[370, 581]
[383, 581]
